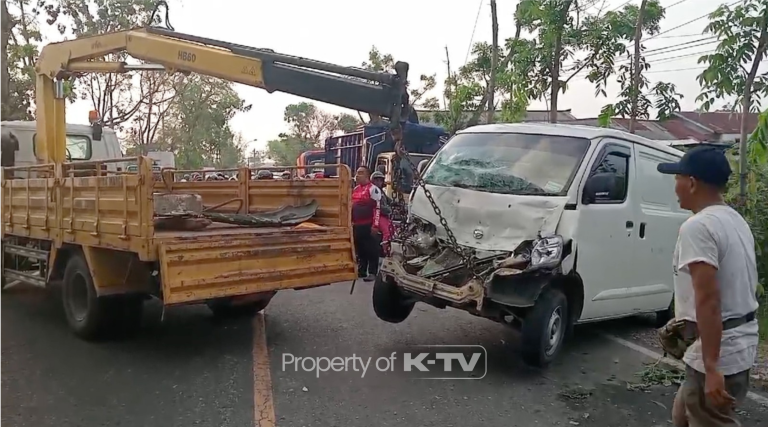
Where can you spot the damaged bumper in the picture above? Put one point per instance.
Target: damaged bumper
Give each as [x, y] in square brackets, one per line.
[472, 292]
[513, 279]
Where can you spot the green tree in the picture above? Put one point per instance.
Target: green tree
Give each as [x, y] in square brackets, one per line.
[196, 126]
[732, 70]
[380, 62]
[285, 150]
[110, 94]
[21, 39]
[566, 31]
[309, 123]
[309, 126]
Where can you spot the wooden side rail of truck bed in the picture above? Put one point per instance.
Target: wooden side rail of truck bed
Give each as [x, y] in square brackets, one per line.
[98, 231]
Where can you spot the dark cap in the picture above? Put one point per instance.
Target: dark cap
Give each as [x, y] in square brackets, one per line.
[705, 163]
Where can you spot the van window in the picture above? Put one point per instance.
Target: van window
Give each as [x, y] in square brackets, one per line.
[508, 163]
[618, 165]
[78, 147]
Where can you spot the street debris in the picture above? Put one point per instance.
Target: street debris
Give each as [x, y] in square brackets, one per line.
[654, 374]
[575, 393]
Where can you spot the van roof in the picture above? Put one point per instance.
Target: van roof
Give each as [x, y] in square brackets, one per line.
[578, 131]
[32, 125]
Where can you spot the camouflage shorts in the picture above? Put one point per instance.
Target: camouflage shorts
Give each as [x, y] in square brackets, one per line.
[691, 408]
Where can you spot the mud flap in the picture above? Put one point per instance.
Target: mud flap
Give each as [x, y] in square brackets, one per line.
[522, 292]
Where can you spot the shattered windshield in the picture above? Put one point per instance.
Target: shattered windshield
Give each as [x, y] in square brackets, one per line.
[508, 163]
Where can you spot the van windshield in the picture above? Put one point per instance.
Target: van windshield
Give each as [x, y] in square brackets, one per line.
[508, 163]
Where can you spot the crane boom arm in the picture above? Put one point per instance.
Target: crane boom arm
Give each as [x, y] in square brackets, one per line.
[381, 94]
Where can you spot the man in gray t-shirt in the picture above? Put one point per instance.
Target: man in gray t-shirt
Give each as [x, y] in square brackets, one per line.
[715, 292]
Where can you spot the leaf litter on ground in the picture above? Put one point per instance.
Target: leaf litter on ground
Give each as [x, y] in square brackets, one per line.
[655, 374]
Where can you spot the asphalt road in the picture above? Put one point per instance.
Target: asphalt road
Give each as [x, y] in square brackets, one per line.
[190, 370]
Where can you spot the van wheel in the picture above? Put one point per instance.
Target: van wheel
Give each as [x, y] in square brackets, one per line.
[389, 303]
[224, 307]
[88, 315]
[544, 328]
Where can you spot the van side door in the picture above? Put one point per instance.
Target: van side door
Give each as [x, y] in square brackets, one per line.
[605, 233]
[659, 219]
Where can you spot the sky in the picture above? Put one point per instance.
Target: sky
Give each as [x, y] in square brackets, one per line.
[415, 31]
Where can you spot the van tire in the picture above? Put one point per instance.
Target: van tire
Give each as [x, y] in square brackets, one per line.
[223, 307]
[89, 316]
[544, 328]
[389, 303]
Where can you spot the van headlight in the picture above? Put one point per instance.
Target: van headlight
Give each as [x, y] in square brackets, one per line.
[547, 252]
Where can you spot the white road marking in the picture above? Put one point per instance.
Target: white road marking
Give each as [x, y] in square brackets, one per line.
[672, 362]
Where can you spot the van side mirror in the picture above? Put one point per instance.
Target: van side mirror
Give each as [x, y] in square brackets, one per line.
[421, 166]
[603, 186]
[96, 131]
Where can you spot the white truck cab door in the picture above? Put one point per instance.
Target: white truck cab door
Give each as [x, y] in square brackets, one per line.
[606, 232]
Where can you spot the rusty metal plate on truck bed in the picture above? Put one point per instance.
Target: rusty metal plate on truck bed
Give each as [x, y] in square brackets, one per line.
[226, 262]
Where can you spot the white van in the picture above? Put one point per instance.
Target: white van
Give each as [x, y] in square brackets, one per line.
[82, 143]
[565, 224]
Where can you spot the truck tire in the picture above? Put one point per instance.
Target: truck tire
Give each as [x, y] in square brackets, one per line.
[89, 316]
[389, 303]
[224, 307]
[544, 328]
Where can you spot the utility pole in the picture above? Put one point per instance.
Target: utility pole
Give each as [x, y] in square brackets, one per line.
[450, 81]
[635, 92]
[494, 63]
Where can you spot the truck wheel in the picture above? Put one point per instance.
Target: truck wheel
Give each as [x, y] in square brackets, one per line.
[388, 303]
[544, 328]
[88, 315]
[225, 308]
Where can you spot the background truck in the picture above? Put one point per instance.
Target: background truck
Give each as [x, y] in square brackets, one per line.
[114, 239]
[309, 158]
[373, 146]
[82, 144]
[163, 159]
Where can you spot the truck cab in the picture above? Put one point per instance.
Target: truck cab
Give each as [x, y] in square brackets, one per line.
[84, 143]
[385, 163]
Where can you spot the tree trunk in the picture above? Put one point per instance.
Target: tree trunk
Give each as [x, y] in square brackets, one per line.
[5, 80]
[762, 45]
[635, 91]
[494, 63]
[475, 119]
[555, 65]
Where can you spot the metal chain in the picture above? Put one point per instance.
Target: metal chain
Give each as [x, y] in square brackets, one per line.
[399, 148]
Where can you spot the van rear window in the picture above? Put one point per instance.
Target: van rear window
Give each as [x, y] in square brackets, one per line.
[78, 147]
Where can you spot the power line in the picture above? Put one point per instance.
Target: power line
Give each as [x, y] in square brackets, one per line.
[712, 39]
[687, 69]
[667, 50]
[679, 36]
[706, 15]
[675, 4]
[474, 28]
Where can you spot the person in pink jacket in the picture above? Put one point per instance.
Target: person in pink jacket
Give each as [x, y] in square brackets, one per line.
[385, 225]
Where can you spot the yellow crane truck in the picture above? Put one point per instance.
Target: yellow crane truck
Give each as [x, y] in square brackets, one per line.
[104, 235]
